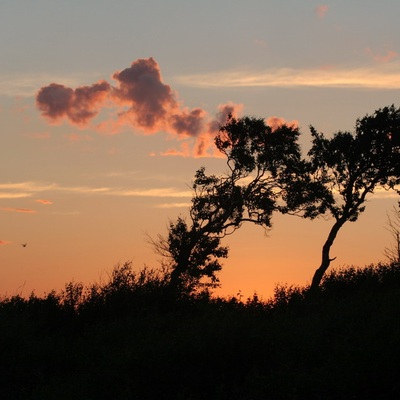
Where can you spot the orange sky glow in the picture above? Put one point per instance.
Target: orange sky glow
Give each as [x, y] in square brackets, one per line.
[103, 129]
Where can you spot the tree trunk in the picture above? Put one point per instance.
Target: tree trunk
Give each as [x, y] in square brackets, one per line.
[326, 260]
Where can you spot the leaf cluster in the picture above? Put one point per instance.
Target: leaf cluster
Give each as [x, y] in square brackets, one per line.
[351, 165]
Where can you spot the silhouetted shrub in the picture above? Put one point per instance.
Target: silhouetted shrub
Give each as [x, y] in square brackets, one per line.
[127, 338]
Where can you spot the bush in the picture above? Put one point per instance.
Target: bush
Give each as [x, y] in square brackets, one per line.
[127, 338]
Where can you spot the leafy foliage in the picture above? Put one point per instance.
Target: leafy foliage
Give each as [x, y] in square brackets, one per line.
[355, 164]
[270, 163]
[351, 166]
[193, 253]
[267, 174]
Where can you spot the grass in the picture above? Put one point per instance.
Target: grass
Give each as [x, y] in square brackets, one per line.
[129, 339]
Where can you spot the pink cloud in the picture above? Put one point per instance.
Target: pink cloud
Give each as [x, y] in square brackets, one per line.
[4, 242]
[112, 126]
[221, 117]
[321, 10]
[19, 210]
[382, 58]
[276, 122]
[188, 122]
[142, 100]
[185, 151]
[79, 105]
[203, 145]
[198, 150]
[327, 67]
[141, 88]
[43, 201]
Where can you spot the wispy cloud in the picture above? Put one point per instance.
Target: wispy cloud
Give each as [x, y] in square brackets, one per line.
[4, 242]
[174, 205]
[118, 174]
[43, 201]
[160, 192]
[29, 186]
[12, 195]
[20, 190]
[27, 85]
[383, 76]
[19, 210]
[382, 57]
[28, 189]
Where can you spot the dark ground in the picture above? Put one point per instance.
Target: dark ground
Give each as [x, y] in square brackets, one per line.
[129, 339]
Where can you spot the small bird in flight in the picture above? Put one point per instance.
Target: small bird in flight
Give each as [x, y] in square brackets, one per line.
[24, 244]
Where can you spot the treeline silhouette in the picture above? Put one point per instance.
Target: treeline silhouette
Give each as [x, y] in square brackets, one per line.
[131, 338]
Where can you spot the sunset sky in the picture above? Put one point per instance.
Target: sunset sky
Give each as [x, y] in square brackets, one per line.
[109, 107]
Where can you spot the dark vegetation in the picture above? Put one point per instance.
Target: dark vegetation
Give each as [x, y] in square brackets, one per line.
[130, 338]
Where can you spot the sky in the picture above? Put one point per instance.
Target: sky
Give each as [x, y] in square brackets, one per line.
[108, 108]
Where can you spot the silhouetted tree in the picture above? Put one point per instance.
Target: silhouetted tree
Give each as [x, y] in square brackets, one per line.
[260, 162]
[193, 254]
[267, 174]
[264, 170]
[335, 178]
[220, 204]
[274, 176]
[261, 165]
[352, 165]
[193, 249]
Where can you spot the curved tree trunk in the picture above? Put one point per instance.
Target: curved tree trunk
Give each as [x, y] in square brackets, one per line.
[326, 260]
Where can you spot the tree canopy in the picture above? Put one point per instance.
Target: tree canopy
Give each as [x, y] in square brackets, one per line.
[267, 173]
[352, 165]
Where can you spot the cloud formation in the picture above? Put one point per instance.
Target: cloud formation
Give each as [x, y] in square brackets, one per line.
[380, 76]
[174, 205]
[28, 189]
[43, 201]
[321, 10]
[143, 101]
[276, 122]
[4, 242]
[204, 142]
[12, 195]
[19, 210]
[151, 102]
[79, 105]
[386, 57]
